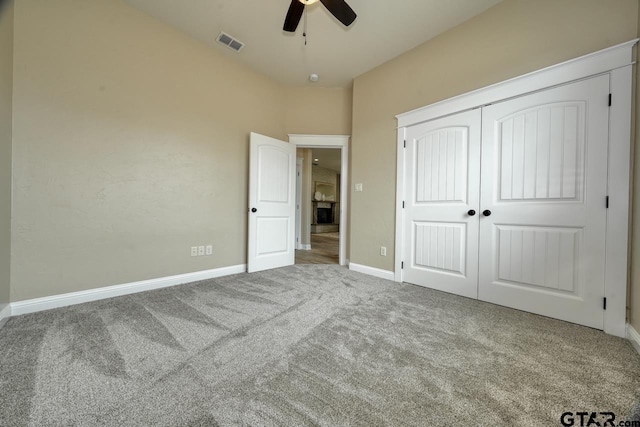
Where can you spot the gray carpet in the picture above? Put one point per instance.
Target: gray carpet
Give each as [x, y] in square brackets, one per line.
[306, 345]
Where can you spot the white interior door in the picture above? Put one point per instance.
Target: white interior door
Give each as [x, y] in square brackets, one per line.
[442, 184]
[272, 183]
[544, 181]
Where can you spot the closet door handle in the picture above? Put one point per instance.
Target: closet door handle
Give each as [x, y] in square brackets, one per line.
[471, 212]
[254, 210]
[486, 212]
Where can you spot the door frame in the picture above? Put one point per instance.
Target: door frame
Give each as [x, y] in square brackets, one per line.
[298, 203]
[616, 61]
[333, 141]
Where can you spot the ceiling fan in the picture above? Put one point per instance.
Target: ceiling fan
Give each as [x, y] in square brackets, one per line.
[338, 8]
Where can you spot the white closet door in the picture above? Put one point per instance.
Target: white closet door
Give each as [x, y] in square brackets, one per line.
[544, 181]
[442, 179]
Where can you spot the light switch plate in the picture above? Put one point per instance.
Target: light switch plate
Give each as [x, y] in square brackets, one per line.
[359, 187]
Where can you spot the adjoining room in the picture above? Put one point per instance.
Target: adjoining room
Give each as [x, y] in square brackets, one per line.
[324, 233]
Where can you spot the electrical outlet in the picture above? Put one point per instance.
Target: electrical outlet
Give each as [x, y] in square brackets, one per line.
[358, 187]
[200, 250]
[383, 251]
[209, 249]
[194, 251]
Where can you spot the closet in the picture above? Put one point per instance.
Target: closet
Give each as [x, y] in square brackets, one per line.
[508, 201]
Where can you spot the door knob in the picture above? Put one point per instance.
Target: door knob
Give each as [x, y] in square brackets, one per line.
[471, 212]
[486, 212]
[254, 210]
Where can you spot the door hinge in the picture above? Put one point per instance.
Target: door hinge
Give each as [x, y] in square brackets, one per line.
[401, 265]
[405, 143]
[403, 204]
[606, 202]
[609, 100]
[604, 303]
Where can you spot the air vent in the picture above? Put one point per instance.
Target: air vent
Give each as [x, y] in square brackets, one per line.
[230, 42]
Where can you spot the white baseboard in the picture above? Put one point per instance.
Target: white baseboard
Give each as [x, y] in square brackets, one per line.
[634, 337]
[306, 247]
[371, 271]
[63, 300]
[5, 313]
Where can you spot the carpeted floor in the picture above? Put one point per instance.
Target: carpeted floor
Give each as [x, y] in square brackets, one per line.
[306, 345]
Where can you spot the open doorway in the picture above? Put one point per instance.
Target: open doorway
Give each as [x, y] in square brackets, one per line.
[321, 198]
[324, 206]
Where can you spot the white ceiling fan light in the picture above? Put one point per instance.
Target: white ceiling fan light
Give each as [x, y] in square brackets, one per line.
[313, 77]
[307, 2]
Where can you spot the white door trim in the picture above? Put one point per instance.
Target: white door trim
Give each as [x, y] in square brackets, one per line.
[615, 61]
[400, 216]
[617, 249]
[298, 203]
[333, 141]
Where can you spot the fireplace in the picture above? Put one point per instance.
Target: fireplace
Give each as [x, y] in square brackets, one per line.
[324, 216]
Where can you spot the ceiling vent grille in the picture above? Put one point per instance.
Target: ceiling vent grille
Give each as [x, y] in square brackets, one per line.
[230, 42]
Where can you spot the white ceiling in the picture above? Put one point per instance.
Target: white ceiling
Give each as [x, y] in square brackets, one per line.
[383, 30]
[327, 158]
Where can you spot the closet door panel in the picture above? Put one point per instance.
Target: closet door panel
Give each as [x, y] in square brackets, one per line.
[442, 175]
[544, 174]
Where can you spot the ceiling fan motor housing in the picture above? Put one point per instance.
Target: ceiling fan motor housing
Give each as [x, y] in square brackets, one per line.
[338, 8]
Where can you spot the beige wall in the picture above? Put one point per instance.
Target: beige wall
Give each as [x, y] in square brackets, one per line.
[318, 110]
[130, 146]
[634, 295]
[6, 90]
[510, 39]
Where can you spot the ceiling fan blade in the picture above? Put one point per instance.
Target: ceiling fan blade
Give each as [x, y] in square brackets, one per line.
[341, 10]
[293, 16]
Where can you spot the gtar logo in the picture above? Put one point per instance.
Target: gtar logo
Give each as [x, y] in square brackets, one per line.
[585, 419]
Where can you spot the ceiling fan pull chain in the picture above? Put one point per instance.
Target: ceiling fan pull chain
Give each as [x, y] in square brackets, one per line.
[304, 33]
